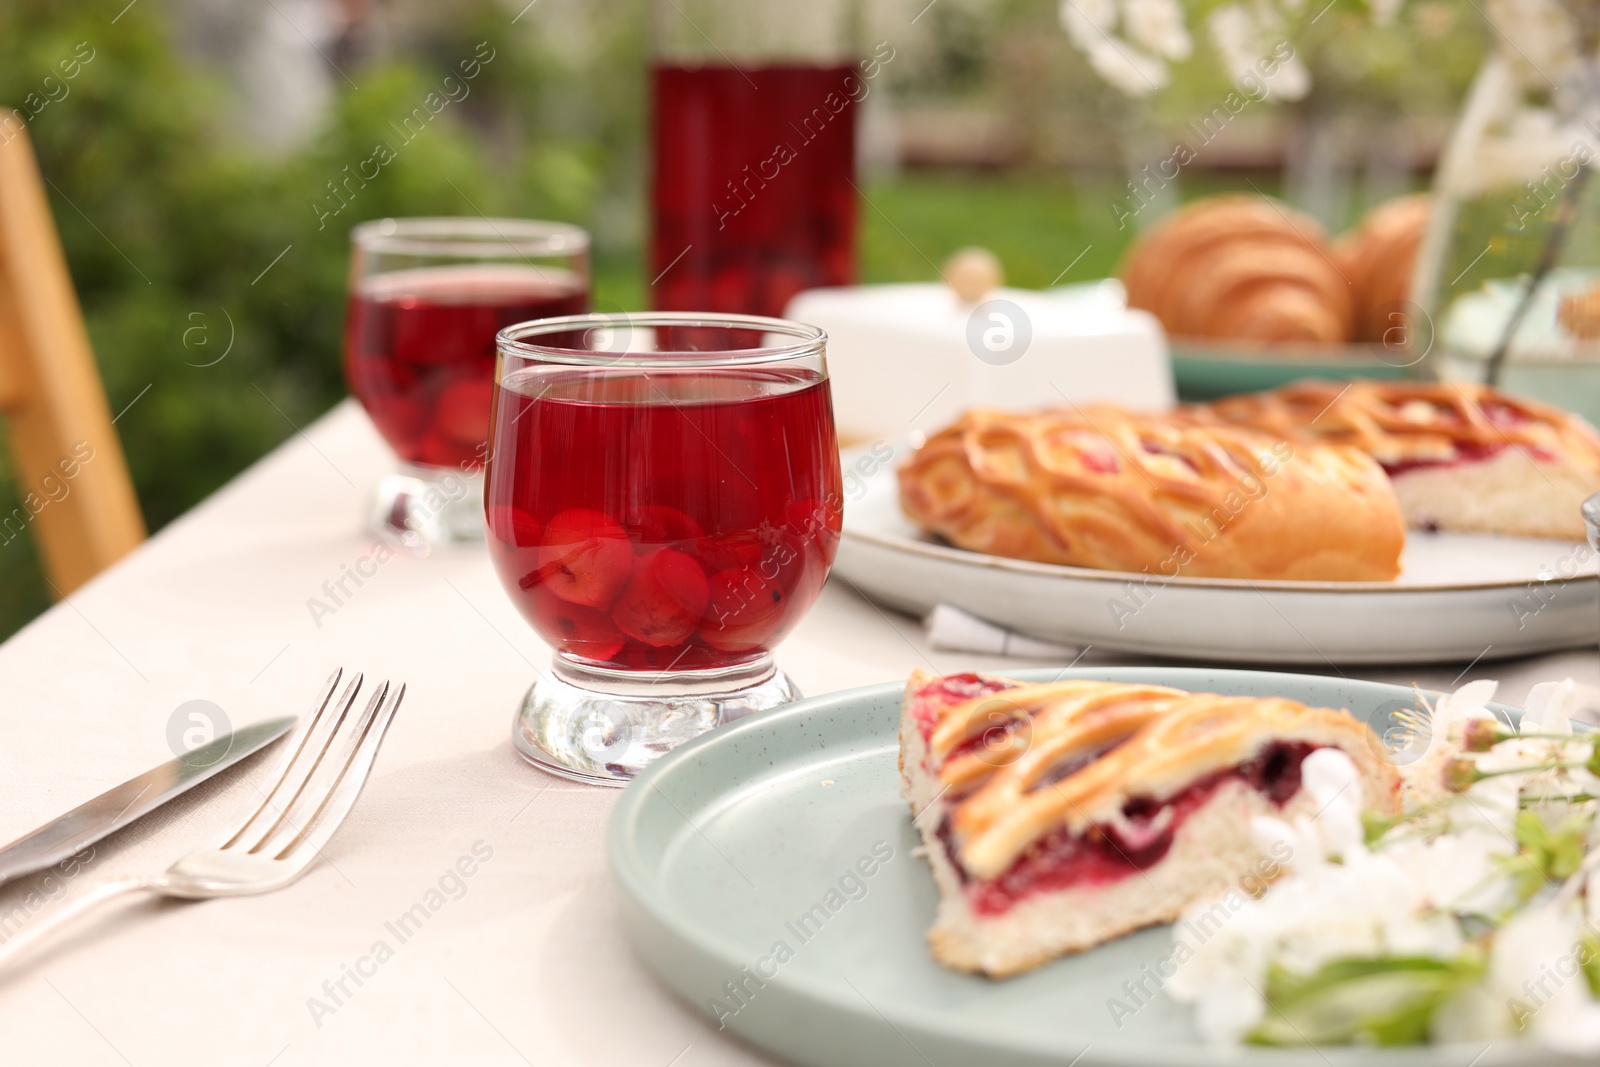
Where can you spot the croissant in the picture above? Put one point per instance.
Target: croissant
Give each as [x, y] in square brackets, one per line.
[1057, 816]
[1240, 267]
[1106, 488]
[1579, 313]
[1378, 257]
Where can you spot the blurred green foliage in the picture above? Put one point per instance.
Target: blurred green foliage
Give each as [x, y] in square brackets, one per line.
[174, 224]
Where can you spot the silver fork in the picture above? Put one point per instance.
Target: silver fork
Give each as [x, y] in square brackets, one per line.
[315, 785]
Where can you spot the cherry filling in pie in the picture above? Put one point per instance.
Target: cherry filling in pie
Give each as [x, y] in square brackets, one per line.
[931, 699]
[1466, 454]
[1109, 852]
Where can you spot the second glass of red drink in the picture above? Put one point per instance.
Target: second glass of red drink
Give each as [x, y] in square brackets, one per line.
[663, 504]
[427, 297]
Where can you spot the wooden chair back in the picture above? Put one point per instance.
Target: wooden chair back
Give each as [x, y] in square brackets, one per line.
[77, 498]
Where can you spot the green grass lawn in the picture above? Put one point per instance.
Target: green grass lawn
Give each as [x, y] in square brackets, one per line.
[1047, 228]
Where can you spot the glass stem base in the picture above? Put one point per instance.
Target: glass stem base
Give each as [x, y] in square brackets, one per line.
[603, 727]
[434, 505]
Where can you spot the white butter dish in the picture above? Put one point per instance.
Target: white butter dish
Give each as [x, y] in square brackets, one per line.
[910, 358]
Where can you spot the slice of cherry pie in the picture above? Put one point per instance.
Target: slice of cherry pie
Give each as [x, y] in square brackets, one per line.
[1062, 815]
[1461, 456]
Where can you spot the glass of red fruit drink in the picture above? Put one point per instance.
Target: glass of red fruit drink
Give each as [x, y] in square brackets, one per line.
[427, 297]
[663, 506]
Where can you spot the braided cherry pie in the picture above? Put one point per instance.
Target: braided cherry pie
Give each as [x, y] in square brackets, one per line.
[1062, 815]
[1460, 456]
[1106, 488]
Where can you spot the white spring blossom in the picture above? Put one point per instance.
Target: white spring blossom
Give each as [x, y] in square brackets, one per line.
[1424, 779]
[1538, 40]
[1409, 894]
[1340, 901]
[1533, 985]
[1093, 24]
[1157, 25]
[1384, 11]
[1131, 42]
[1250, 40]
[1533, 973]
[1537, 37]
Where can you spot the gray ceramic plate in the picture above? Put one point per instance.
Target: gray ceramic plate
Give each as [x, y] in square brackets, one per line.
[1459, 596]
[740, 861]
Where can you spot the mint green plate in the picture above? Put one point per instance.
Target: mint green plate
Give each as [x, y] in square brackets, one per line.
[1205, 372]
[743, 863]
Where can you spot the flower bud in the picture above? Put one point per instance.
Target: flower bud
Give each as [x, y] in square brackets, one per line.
[1480, 735]
[1459, 775]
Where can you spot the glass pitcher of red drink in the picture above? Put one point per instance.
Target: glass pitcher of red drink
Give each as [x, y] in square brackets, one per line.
[754, 112]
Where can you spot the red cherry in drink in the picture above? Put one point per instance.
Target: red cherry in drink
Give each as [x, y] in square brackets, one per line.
[514, 527]
[811, 518]
[462, 410]
[586, 558]
[664, 599]
[437, 450]
[746, 610]
[657, 524]
[804, 564]
[397, 417]
[731, 550]
[575, 629]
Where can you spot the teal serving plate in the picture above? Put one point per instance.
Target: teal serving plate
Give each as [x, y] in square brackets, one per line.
[1209, 371]
[768, 876]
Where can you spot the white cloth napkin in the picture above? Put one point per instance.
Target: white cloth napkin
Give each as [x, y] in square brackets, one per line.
[953, 630]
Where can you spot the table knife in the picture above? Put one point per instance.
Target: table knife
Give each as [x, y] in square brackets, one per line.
[112, 810]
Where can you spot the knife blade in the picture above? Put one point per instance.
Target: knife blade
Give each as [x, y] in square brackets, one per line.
[87, 823]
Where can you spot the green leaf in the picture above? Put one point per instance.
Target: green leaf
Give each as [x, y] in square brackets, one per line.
[1375, 825]
[1567, 846]
[1527, 873]
[1547, 855]
[1531, 832]
[1590, 956]
[1383, 1001]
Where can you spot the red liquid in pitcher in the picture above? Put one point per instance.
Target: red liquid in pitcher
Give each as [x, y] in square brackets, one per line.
[751, 194]
[419, 350]
[660, 520]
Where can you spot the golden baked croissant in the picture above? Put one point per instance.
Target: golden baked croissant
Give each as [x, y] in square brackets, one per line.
[1378, 257]
[1461, 456]
[1579, 313]
[1240, 267]
[1057, 816]
[1106, 488]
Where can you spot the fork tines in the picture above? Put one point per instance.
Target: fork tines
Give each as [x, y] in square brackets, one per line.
[321, 773]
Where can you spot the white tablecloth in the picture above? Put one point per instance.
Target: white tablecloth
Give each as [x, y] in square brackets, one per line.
[523, 961]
